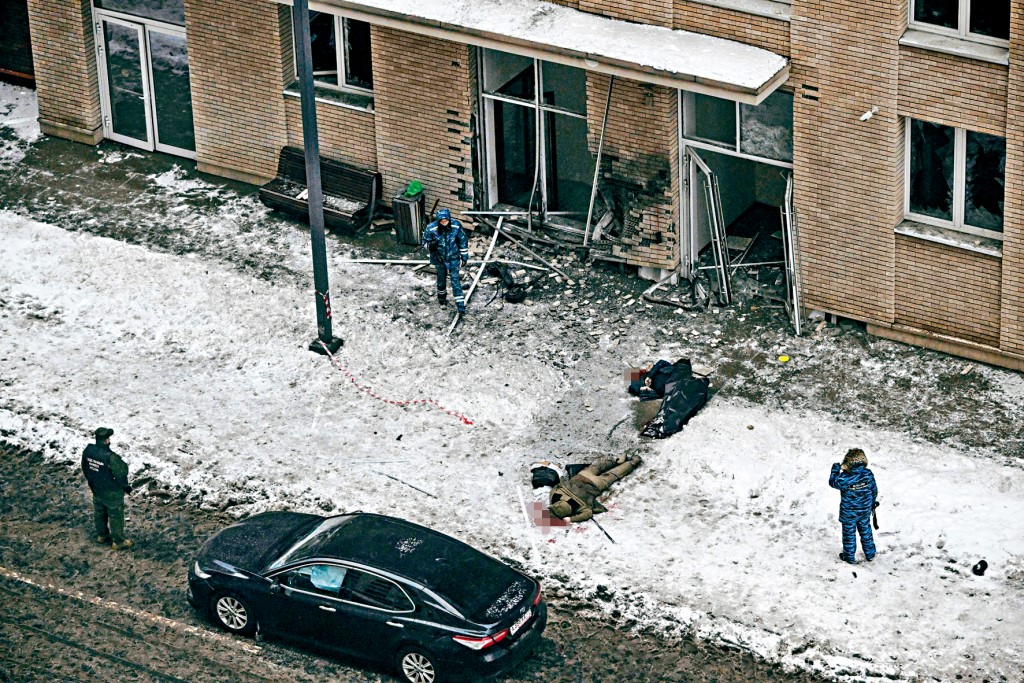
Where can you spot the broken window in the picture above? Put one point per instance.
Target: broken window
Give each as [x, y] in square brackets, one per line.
[956, 178]
[969, 18]
[764, 131]
[537, 147]
[767, 130]
[984, 181]
[345, 63]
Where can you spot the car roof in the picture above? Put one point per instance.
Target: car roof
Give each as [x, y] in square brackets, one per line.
[457, 572]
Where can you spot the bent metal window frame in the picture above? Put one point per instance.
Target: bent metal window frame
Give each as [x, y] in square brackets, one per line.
[963, 27]
[959, 199]
[341, 48]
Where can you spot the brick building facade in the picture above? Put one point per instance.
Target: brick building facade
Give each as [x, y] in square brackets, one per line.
[897, 124]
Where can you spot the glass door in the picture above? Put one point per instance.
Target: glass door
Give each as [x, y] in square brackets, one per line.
[145, 89]
[125, 86]
[172, 92]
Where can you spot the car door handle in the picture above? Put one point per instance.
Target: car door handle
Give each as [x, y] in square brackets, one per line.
[395, 624]
[326, 608]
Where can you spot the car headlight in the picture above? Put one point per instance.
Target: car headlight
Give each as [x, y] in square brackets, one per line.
[198, 571]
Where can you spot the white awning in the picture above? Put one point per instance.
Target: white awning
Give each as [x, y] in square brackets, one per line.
[652, 54]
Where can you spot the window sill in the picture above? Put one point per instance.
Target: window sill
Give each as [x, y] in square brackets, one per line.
[762, 8]
[952, 238]
[959, 47]
[338, 98]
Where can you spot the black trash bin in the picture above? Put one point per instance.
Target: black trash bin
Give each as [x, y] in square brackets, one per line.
[409, 217]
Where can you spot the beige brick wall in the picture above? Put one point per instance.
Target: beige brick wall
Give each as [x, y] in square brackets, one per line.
[848, 173]
[752, 29]
[638, 167]
[947, 290]
[345, 133]
[64, 54]
[1012, 330]
[655, 12]
[953, 91]
[235, 57]
[424, 104]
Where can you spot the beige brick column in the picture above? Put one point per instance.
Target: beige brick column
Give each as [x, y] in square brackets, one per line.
[1012, 312]
[423, 95]
[235, 52]
[848, 173]
[639, 166]
[64, 53]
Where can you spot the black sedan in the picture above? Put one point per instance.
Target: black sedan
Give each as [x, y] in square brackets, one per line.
[374, 587]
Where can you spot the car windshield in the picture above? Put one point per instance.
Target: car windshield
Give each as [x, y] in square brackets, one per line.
[307, 546]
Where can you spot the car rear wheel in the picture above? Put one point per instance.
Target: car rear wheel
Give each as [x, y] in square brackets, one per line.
[233, 615]
[417, 666]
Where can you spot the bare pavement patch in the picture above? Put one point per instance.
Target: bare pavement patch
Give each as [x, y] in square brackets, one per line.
[71, 610]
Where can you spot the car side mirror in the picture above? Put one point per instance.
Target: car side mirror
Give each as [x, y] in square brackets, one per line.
[275, 586]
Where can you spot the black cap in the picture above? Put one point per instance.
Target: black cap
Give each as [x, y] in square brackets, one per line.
[104, 433]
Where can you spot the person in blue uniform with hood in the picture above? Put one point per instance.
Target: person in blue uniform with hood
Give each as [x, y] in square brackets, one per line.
[446, 242]
[856, 483]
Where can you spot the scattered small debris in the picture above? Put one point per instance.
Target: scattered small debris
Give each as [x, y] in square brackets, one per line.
[979, 569]
[783, 359]
[967, 369]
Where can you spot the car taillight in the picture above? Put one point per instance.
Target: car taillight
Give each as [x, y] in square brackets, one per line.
[536, 600]
[481, 643]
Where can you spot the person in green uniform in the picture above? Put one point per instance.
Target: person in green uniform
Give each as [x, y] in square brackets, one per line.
[576, 499]
[108, 479]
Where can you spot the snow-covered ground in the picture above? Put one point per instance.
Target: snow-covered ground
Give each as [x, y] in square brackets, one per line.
[728, 530]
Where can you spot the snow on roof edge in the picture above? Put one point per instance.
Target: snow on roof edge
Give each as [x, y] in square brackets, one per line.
[668, 56]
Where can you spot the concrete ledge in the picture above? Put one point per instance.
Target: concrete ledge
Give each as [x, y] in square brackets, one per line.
[61, 130]
[232, 173]
[946, 344]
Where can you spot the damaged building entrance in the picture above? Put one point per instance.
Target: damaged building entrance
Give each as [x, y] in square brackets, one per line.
[535, 129]
[145, 91]
[738, 163]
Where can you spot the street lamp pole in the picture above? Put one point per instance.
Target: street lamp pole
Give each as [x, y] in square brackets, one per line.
[311, 145]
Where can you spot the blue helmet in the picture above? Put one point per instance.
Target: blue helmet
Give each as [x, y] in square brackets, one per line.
[444, 215]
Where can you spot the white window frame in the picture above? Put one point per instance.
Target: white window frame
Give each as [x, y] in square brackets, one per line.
[962, 29]
[686, 107]
[959, 187]
[340, 29]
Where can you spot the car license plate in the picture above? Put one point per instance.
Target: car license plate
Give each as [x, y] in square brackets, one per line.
[520, 621]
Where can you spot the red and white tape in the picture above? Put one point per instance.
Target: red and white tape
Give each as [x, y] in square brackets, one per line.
[462, 418]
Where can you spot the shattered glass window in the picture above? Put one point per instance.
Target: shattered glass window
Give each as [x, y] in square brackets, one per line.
[990, 18]
[985, 176]
[767, 130]
[170, 11]
[931, 169]
[713, 120]
[358, 64]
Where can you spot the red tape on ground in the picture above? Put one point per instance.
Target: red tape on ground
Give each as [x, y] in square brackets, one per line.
[462, 418]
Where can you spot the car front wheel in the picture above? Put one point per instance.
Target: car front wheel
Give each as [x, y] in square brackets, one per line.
[417, 666]
[234, 615]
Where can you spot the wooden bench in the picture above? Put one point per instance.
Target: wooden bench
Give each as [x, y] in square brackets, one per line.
[350, 193]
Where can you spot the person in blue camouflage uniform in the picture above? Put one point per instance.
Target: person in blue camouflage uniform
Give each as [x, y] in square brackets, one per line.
[446, 242]
[856, 483]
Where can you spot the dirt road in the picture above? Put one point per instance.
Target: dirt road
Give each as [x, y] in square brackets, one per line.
[71, 610]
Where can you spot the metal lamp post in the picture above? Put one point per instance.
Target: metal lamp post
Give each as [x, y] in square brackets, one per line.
[311, 145]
